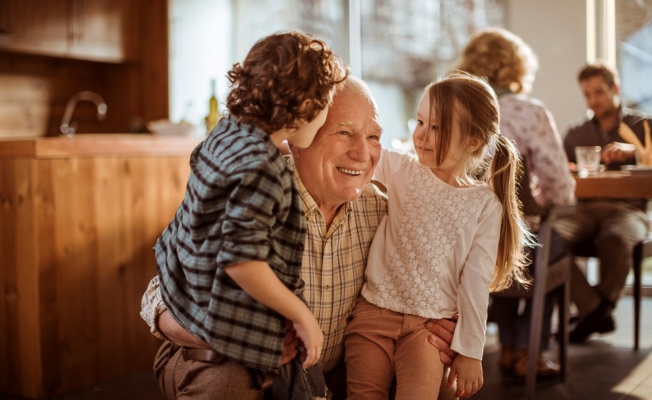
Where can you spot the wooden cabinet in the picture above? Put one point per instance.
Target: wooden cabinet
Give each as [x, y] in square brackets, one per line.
[38, 76]
[79, 218]
[38, 26]
[101, 30]
[104, 29]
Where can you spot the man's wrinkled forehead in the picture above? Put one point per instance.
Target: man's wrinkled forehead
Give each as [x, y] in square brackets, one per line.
[354, 111]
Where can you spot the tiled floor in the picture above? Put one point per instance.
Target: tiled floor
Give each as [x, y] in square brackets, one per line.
[606, 368]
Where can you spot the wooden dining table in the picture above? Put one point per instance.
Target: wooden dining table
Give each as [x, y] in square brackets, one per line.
[614, 185]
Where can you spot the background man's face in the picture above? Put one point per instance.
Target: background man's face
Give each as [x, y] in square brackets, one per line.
[341, 160]
[600, 98]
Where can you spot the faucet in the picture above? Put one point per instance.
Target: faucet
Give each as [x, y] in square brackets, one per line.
[68, 128]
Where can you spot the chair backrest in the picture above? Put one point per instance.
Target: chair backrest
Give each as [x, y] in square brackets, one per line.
[530, 206]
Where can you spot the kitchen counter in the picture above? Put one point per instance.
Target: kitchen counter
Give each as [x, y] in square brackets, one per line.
[78, 219]
[89, 145]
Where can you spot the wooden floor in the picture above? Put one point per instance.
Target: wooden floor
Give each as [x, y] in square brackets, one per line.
[606, 368]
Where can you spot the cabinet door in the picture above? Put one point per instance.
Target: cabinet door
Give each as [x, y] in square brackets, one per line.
[34, 26]
[104, 30]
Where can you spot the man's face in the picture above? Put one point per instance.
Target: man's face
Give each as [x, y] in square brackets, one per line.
[600, 98]
[341, 160]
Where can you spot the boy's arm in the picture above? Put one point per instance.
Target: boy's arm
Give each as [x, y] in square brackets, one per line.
[259, 281]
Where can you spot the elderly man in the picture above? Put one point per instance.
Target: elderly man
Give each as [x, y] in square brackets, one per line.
[342, 211]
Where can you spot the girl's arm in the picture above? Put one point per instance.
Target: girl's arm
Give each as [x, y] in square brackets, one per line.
[468, 372]
[389, 162]
[259, 281]
[475, 279]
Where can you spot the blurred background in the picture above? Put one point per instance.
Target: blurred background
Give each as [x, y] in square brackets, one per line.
[398, 47]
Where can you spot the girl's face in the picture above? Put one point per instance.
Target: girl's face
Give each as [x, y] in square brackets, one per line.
[427, 137]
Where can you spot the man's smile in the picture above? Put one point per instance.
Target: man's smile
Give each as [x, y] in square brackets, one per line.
[350, 171]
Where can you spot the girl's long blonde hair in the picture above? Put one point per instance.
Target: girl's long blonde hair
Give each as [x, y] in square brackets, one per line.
[479, 116]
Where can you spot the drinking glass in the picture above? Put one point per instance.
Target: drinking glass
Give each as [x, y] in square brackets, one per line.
[588, 160]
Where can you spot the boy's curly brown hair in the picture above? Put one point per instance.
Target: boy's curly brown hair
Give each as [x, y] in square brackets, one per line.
[280, 72]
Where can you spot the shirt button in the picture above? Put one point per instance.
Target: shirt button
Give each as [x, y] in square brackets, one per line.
[326, 287]
[300, 246]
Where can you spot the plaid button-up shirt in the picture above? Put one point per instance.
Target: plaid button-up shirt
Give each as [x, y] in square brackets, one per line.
[334, 261]
[241, 205]
[333, 266]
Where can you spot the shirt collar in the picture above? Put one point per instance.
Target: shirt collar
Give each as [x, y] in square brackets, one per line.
[251, 129]
[620, 117]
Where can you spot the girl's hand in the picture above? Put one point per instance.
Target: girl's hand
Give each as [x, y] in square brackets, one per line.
[310, 333]
[468, 372]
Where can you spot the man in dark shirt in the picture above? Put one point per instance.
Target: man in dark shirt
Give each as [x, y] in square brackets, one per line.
[615, 227]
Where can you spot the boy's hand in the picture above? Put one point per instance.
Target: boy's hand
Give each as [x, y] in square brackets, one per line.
[468, 372]
[290, 344]
[310, 333]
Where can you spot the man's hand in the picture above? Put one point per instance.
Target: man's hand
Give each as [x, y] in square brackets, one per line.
[442, 335]
[176, 333]
[618, 153]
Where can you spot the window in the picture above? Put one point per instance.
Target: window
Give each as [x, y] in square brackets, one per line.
[406, 45]
[634, 51]
[396, 46]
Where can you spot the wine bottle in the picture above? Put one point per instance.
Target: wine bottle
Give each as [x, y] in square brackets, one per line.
[213, 112]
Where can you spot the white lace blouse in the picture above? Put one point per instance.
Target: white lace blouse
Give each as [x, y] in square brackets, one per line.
[434, 254]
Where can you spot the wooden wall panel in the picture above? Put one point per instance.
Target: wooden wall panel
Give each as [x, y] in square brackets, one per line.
[154, 71]
[94, 222]
[34, 91]
[20, 366]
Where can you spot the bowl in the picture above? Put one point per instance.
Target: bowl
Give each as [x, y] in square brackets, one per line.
[166, 127]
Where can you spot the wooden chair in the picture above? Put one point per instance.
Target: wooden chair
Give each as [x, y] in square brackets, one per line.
[546, 278]
[589, 250]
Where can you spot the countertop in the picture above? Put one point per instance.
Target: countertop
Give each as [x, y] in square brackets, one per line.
[91, 145]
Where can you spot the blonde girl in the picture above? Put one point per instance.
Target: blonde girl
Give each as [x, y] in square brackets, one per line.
[454, 232]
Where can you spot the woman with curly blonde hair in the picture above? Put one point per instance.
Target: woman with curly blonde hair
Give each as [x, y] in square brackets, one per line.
[509, 65]
[502, 58]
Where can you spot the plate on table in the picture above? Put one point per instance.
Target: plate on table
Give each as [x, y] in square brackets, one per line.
[638, 169]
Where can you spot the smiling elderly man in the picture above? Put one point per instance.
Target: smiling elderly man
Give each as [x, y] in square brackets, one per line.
[342, 210]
